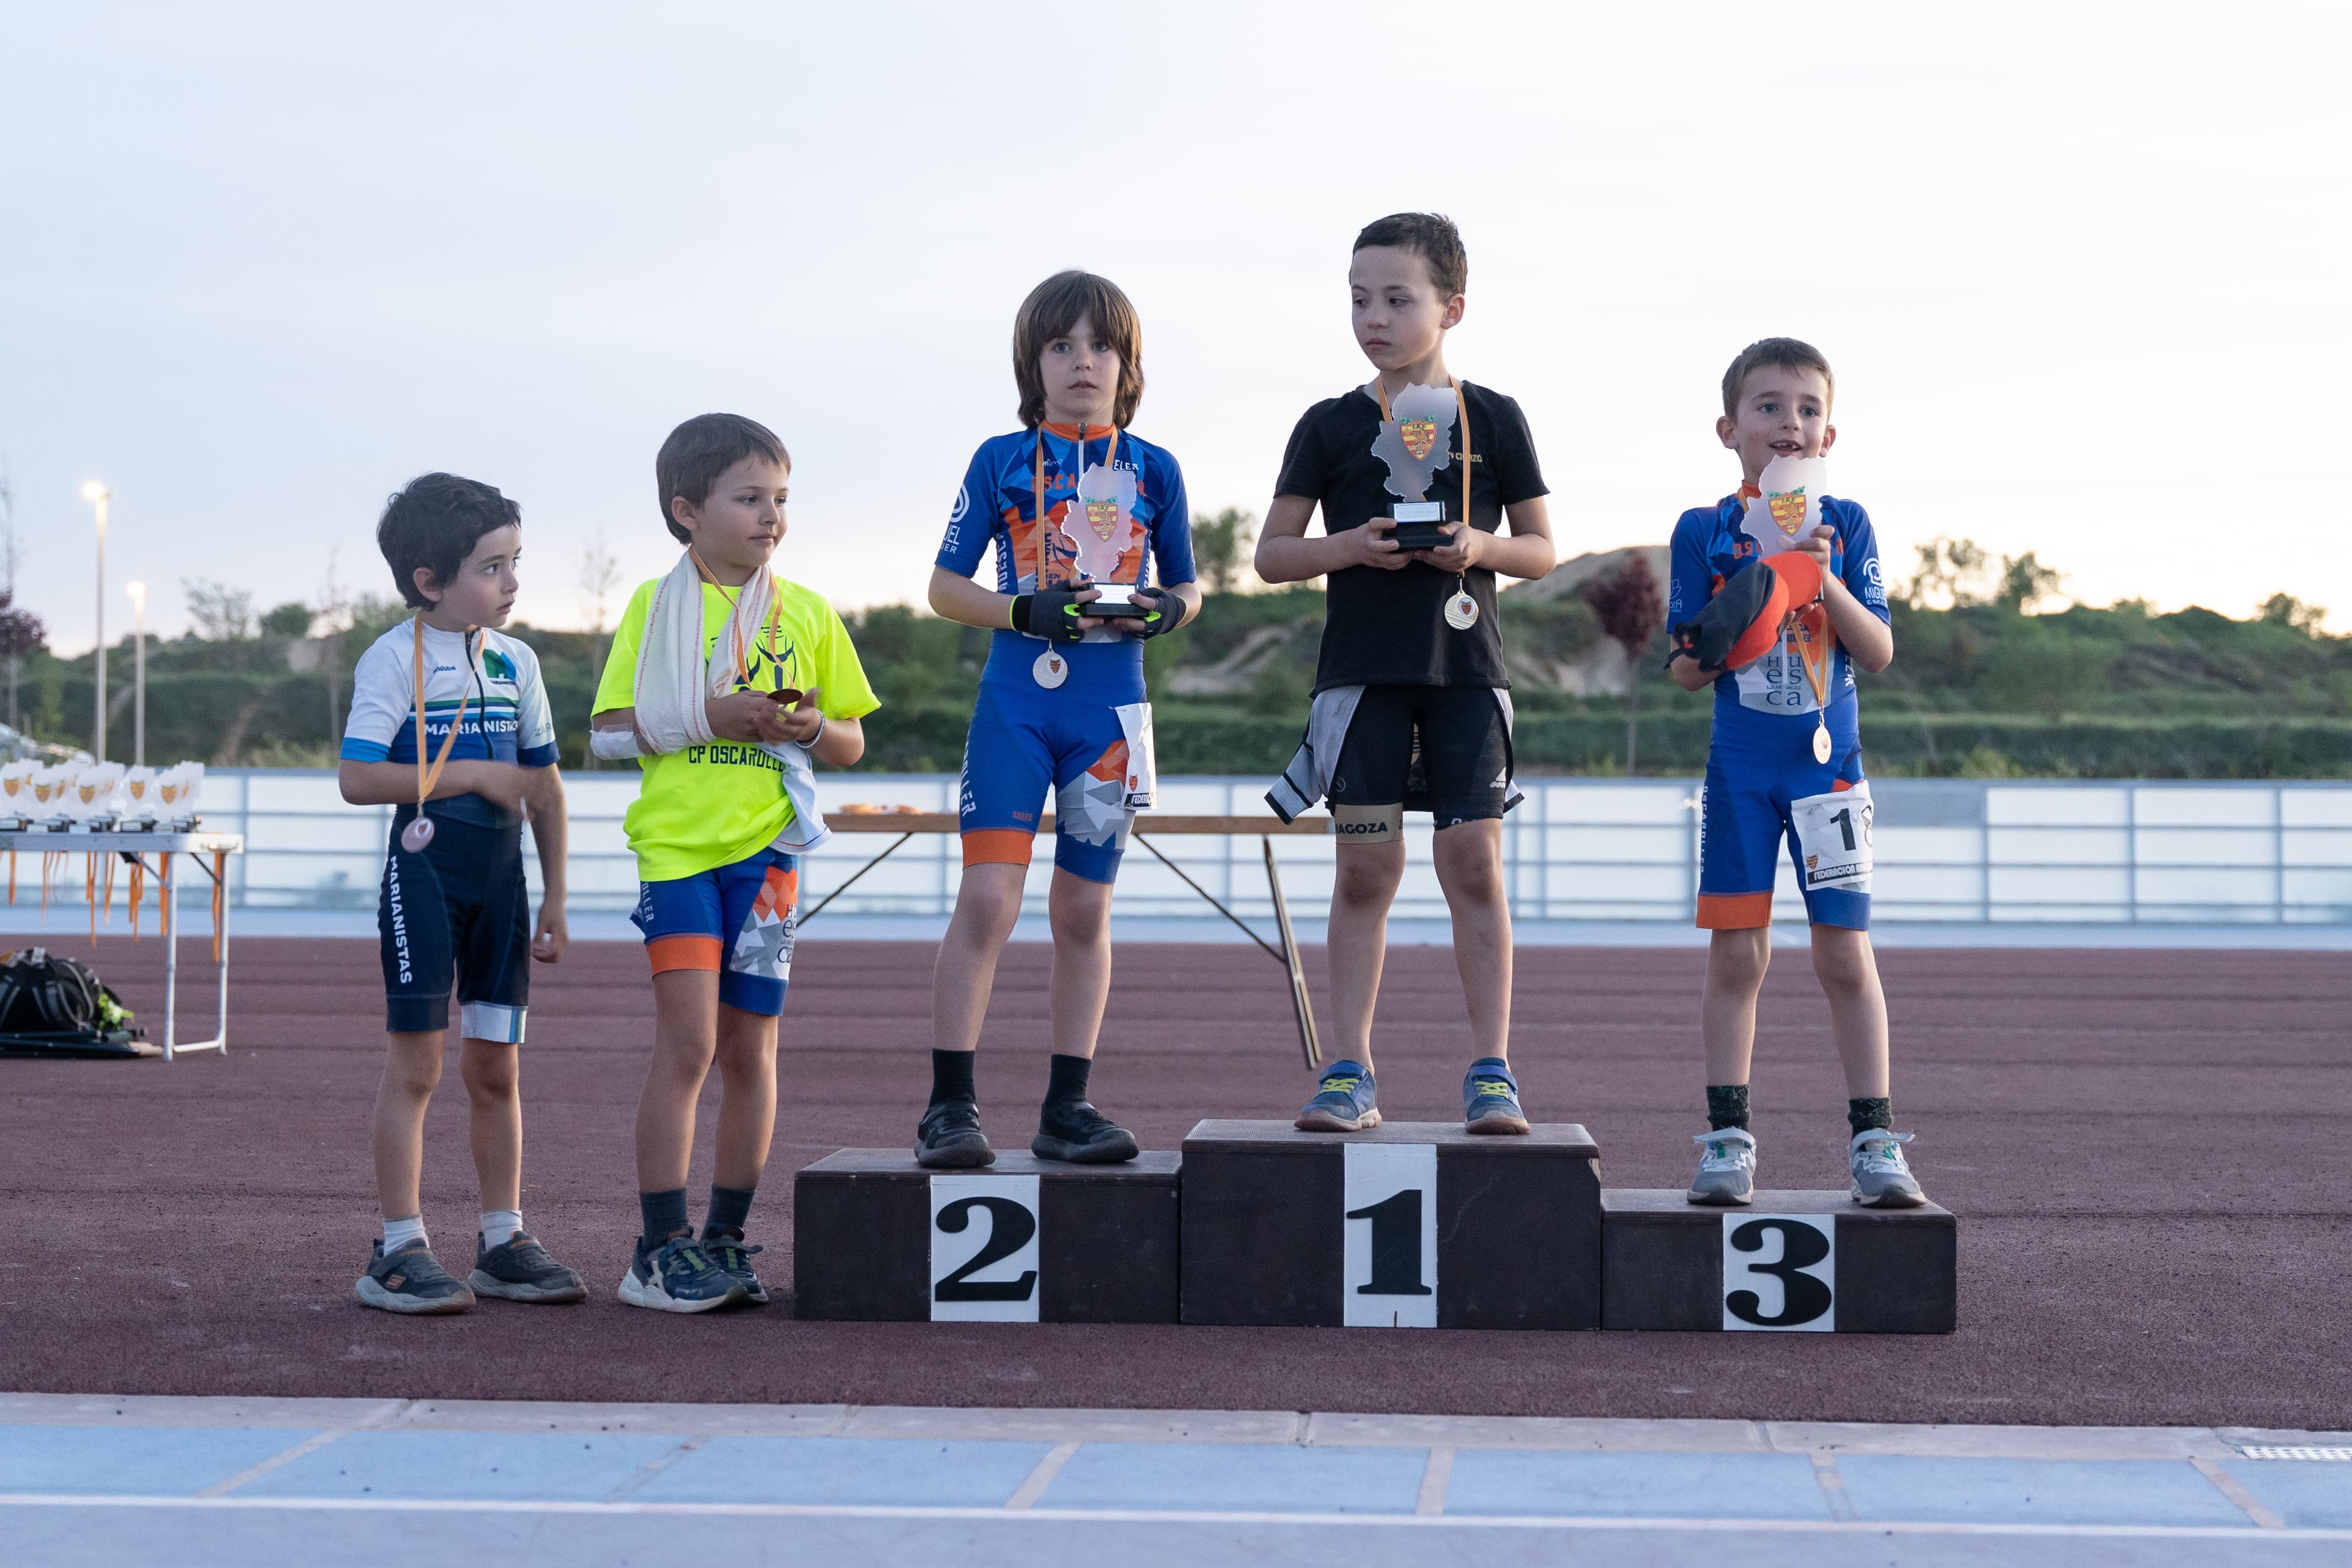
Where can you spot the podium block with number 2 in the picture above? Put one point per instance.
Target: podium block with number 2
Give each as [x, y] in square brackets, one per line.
[1411, 1225]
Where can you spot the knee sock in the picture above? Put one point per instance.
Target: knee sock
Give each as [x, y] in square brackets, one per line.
[730, 1208]
[664, 1214]
[951, 1076]
[1726, 1106]
[399, 1233]
[1069, 1079]
[500, 1226]
[1868, 1115]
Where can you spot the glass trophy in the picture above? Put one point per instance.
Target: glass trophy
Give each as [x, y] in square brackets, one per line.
[1416, 440]
[1099, 523]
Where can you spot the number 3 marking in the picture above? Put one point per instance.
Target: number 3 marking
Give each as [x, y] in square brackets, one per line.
[1803, 1296]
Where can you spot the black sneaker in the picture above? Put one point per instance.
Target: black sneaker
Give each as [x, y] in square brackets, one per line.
[410, 1280]
[949, 1137]
[677, 1275]
[734, 1259]
[1074, 1130]
[519, 1269]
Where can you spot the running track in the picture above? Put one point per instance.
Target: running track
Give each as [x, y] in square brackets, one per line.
[2146, 1151]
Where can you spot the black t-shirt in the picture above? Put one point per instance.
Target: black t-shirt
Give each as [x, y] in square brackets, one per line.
[1385, 627]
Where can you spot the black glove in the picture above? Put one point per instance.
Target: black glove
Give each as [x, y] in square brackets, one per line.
[1166, 613]
[1053, 614]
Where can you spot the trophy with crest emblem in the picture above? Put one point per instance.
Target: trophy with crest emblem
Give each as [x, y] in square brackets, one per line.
[1100, 525]
[1416, 440]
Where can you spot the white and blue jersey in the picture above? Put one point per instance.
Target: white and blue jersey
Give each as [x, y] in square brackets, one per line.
[505, 707]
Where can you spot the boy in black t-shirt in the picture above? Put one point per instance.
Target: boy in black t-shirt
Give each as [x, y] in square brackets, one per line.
[1411, 704]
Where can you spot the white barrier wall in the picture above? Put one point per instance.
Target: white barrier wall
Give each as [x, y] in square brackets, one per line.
[1579, 849]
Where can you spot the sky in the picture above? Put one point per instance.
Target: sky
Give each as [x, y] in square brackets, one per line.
[2079, 267]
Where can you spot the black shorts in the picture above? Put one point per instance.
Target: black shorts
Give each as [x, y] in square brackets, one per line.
[1440, 749]
[460, 906]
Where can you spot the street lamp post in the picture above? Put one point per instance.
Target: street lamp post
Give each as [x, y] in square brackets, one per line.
[137, 592]
[97, 496]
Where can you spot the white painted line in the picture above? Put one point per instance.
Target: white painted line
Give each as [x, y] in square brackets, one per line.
[653, 1468]
[2227, 1485]
[1170, 1516]
[2295, 1451]
[1033, 1487]
[311, 1444]
[1436, 1478]
[1832, 1485]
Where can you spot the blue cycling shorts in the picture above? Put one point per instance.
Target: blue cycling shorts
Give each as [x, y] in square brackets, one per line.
[1026, 739]
[735, 919]
[459, 905]
[1757, 764]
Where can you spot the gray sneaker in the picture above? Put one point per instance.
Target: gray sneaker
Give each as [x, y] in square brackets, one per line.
[410, 1280]
[519, 1269]
[1727, 1168]
[1881, 1179]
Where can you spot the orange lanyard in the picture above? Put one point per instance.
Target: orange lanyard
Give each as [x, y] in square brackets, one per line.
[425, 780]
[1037, 490]
[742, 652]
[1461, 413]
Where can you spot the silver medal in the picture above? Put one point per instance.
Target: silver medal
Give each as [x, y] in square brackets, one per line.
[1462, 612]
[1821, 743]
[417, 834]
[1051, 669]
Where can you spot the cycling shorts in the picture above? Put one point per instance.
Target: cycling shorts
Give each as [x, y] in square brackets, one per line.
[735, 919]
[457, 905]
[1757, 765]
[1027, 740]
[1444, 750]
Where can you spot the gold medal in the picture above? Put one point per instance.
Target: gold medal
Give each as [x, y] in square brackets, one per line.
[1822, 742]
[1462, 611]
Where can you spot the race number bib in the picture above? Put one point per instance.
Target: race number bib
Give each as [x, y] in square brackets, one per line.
[1833, 838]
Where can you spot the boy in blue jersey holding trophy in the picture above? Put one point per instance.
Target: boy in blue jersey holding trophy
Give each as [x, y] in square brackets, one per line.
[1080, 513]
[1776, 596]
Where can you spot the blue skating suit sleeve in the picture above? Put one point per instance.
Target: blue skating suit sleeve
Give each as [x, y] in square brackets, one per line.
[1171, 521]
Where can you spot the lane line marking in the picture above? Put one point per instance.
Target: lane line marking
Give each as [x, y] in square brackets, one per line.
[1026, 1494]
[1832, 1485]
[653, 1468]
[2227, 1485]
[1173, 1516]
[1436, 1476]
[309, 1445]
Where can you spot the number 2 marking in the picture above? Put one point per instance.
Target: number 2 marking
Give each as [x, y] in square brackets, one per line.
[1010, 1228]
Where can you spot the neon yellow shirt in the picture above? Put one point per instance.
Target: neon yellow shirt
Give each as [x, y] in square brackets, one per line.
[712, 806]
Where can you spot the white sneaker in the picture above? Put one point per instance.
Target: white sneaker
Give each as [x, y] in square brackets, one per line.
[1881, 1179]
[1727, 1168]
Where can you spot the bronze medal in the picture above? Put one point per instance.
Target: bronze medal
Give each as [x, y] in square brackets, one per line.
[1822, 742]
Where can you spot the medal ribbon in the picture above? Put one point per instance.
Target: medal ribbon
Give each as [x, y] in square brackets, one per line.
[1037, 489]
[1814, 617]
[1462, 417]
[742, 652]
[425, 780]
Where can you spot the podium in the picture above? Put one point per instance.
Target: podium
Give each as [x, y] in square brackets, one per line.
[878, 1238]
[1806, 1262]
[1413, 1225]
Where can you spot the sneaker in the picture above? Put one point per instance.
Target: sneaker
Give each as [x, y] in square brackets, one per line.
[1346, 1101]
[949, 1137]
[1727, 1168]
[410, 1280]
[1881, 1179]
[1490, 1098]
[677, 1276]
[519, 1269]
[734, 1259]
[1074, 1130]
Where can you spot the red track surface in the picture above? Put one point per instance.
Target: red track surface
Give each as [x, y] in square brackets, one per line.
[2146, 1150]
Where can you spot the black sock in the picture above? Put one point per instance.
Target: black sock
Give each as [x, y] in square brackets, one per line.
[730, 1208]
[1069, 1079]
[664, 1214]
[951, 1076]
[1726, 1106]
[1866, 1115]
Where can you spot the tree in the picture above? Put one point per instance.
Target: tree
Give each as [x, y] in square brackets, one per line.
[19, 631]
[221, 614]
[1218, 543]
[2025, 581]
[291, 619]
[2286, 610]
[600, 573]
[1632, 610]
[1953, 570]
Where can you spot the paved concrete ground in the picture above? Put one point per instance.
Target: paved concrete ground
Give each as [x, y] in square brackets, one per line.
[203, 1482]
[2145, 1150]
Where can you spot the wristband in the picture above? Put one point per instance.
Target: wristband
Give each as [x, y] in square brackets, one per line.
[821, 722]
[1020, 617]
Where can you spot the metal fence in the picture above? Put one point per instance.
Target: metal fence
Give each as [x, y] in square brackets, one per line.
[1951, 850]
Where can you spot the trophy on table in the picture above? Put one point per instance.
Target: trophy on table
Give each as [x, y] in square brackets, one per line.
[1416, 440]
[1099, 523]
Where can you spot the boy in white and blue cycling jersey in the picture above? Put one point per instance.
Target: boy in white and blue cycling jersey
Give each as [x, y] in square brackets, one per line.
[449, 723]
[1784, 763]
[1080, 512]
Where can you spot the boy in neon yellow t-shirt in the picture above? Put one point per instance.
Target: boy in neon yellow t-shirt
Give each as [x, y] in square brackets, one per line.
[726, 708]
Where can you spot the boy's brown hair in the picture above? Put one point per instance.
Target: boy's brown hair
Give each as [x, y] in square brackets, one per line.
[1052, 309]
[1430, 236]
[702, 450]
[1787, 353]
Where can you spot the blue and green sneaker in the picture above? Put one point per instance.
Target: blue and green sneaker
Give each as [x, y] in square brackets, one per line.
[677, 1275]
[1346, 1101]
[1490, 1098]
[734, 1259]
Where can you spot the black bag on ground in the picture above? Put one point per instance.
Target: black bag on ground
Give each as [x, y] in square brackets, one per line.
[55, 1005]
